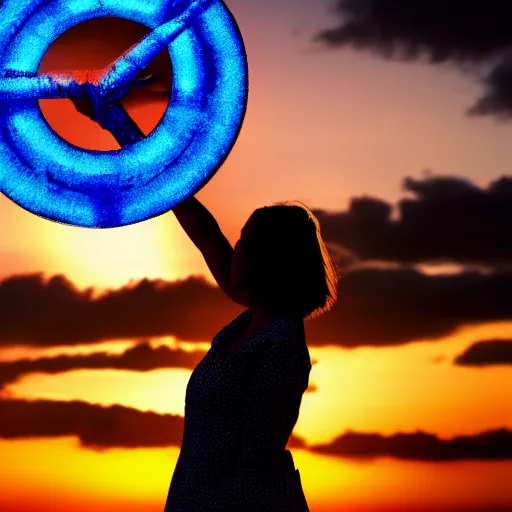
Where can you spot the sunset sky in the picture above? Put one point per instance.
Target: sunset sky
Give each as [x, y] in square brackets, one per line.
[421, 337]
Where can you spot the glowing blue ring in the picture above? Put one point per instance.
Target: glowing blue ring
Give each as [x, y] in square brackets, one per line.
[51, 178]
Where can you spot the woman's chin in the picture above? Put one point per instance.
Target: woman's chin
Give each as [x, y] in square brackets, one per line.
[238, 287]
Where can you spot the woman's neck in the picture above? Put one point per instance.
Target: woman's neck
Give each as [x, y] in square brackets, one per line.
[260, 317]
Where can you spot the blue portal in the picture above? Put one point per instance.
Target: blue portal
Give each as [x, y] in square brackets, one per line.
[56, 180]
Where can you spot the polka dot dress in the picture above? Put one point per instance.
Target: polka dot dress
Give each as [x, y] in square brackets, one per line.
[240, 410]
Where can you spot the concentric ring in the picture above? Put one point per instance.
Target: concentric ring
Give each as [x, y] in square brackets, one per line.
[54, 179]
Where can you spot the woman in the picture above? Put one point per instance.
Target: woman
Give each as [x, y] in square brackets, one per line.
[243, 398]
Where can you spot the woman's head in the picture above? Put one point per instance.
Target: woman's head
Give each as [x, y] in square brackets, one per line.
[282, 263]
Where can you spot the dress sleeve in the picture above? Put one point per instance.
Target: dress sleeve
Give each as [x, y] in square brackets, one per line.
[274, 390]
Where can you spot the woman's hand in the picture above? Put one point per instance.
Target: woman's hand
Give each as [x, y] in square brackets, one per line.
[110, 116]
[84, 105]
[82, 94]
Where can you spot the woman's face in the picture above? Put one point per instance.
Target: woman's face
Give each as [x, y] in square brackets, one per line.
[241, 265]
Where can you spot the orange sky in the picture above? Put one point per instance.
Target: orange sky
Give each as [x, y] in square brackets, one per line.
[321, 127]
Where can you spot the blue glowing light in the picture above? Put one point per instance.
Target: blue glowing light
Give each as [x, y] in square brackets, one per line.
[56, 180]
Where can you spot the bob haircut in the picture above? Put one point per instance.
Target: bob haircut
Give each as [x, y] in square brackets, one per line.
[292, 271]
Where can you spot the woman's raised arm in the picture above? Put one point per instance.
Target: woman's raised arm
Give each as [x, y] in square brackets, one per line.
[205, 233]
[195, 219]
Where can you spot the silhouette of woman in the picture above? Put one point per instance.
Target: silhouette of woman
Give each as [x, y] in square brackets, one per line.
[243, 398]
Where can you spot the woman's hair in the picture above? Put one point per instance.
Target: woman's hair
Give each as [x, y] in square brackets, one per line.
[292, 269]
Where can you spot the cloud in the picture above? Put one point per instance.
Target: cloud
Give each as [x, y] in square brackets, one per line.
[439, 30]
[497, 101]
[471, 33]
[96, 427]
[296, 442]
[448, 219]
[376, 307]
[312, 388]
[486, 353]
[492, 445]
[100, 428]
[142, 358]
[50, 312]
[379, 307]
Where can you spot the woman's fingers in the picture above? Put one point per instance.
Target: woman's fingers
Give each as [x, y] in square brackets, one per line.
[83, 104]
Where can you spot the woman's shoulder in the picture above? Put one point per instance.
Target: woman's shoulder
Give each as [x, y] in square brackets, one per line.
[229, 327]
[290, 330]
[286, 336]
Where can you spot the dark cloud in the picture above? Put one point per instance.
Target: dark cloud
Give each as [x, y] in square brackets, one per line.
[141, 358]
[96, 427]
[312, 388]
[474, 32]
[101, 428]
[439, 30]
[497, 100]
[39, 312]
[296, 442]
[378, 307]
[486, 353]
[375, 307]
[449, 219]
[493, 445]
